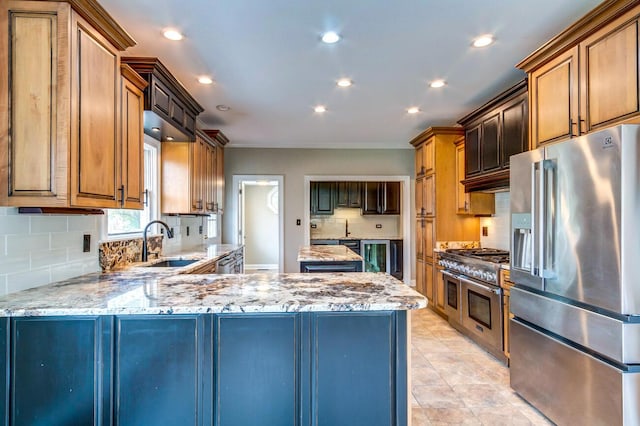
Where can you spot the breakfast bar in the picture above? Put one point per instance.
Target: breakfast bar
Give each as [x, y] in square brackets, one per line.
[151, 346]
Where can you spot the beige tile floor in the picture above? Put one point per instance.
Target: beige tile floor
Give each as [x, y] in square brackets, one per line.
[454, 381]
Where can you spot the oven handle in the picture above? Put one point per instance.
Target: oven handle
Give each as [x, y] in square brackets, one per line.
[484, 287]
[449, 274]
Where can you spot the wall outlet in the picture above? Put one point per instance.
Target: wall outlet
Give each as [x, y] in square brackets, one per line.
[200, 229]
[187, 231]
[298, 222]
[378, 226]
[314, 226]
[485, 231]
[86, 243]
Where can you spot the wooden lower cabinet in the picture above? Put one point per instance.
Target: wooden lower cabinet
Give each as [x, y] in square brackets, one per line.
[306, 368]
[439, 289]
[420, 283]
[428, 281]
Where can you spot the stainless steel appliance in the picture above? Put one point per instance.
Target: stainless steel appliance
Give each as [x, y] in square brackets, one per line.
[575, 249]
[376, 255]
[473, 297]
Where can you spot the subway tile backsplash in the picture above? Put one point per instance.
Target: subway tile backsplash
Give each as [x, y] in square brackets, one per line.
[374, 226]
[498, 225]
[39, 249]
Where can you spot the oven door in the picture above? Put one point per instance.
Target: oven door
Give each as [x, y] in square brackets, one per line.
[452, 299]
[482, 312]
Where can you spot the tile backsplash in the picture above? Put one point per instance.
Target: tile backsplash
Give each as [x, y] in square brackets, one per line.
[374, 226]
[39, 249]
[498, 225]
[186, 232]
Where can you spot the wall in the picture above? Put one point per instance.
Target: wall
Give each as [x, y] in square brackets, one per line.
[39, 249]
[294, 164]
[261, 227]
[498, 225]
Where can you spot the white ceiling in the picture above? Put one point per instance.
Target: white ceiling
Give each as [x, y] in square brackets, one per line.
[270, 67]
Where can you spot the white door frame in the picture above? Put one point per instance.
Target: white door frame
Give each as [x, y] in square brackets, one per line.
[236, 181]
[405, 181]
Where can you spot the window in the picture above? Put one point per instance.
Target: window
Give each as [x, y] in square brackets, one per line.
[125, 221]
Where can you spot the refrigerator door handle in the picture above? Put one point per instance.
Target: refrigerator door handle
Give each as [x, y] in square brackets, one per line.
[542, 209]
[548, 218]
[535, 218]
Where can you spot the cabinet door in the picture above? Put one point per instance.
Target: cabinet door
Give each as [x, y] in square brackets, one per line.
[472, 151]
[428, 281]
[419, 159]
[419, 199]
[553, 90]
[429, 159]
[196, 154]
[257, 368]
[131, 160]
[95, 106]
[462, 200]
[390, 198]
[515, 118]
[439, 289]
[352, 370]
[420, 227]
[429, 237]
[371, 198]
[420, 284]
[429, 200]
[35, 104]
[490, 143]
[210, 192]
[322, 194]
[172, 347]
[60, 370]
[396, 258]
[355, 195]
[220, 179]
[609, 79]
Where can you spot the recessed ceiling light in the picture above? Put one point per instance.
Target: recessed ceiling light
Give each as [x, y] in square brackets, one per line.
[330, 37]
[205, 80]
[344, 82]
[155, 129]
[173, 34]
[169, 138]
[483, 40]
[413, 110]
[320, 108]
[437, 83]
[223, 107]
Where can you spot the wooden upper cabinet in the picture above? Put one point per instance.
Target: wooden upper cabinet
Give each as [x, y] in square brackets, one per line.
[493, 133]
[429, 159]
[60, 118]
[217, 140]
[586, 78]
[609, 60]
[554, 99]
[470, 203]
[419, 159]
[131, 182]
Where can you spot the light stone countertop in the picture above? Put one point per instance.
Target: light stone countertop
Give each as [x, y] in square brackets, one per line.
[205, 254]
[327, 253]
[139, 290]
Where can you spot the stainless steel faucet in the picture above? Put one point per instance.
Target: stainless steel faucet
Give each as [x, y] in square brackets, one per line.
[144, 236]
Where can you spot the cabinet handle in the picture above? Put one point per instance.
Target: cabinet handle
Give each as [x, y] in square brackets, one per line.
[146, 198]
[121, 191]
[466, 206]
[571, 124]
[580, 121]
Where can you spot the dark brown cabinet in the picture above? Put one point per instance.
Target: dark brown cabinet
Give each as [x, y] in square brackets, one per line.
[348, 194]
[381, 198]
[322, 198]
[493, 133]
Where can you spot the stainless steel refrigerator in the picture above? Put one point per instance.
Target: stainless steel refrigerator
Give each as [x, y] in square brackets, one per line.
[575, 259]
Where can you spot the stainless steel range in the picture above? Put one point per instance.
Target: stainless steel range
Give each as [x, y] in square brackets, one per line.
[473, 297]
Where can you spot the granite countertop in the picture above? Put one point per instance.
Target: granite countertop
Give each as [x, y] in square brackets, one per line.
[204, 254]
[355, 238]
[139, 290]
[329, 253]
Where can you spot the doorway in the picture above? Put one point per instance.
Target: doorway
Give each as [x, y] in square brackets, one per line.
[260, 222]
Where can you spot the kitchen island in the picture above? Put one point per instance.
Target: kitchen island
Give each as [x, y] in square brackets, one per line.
[329, 258]
[149, 346]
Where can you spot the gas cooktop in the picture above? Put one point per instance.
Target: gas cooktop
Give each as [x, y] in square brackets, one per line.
[486, 254]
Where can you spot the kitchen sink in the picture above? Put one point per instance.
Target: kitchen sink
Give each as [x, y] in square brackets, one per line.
[172, 263]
